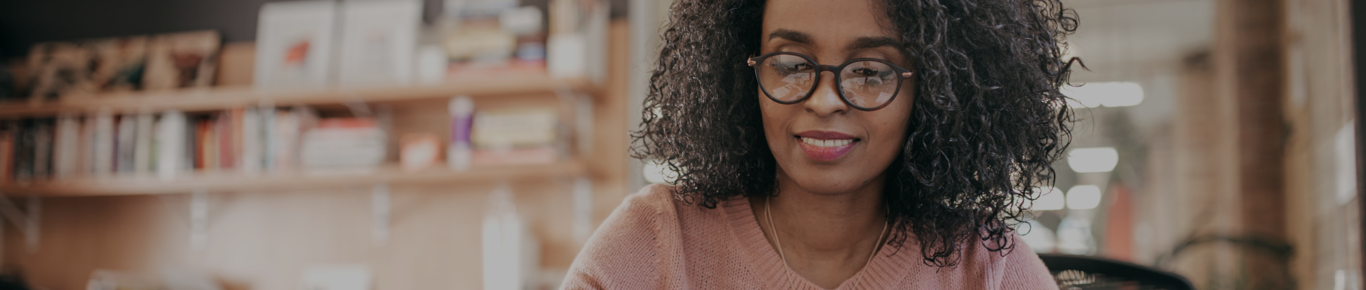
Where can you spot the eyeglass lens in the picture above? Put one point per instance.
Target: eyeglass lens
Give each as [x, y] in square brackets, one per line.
[865, 84]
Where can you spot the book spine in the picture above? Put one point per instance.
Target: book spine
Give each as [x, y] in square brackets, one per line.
[42, 150]
[127, 132]
[142, 143]
[235, 122]
[6, 154]
[202, 155]
[223, 127]
[68, 146]
[170, 143]
[23, 171]
[286, 134]
[104, 143]
[85, 155]
[190, 156]
[269, 138]
[251, 142]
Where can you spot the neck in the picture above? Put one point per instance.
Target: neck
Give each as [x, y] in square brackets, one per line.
[824, 236]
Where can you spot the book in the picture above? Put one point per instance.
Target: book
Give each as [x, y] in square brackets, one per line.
[68, 147]
[43, 145]
[223, 134]
[104, 143]
[25, 142]
[514, 128]
[250, 159]
[7, 155]
[124, 143]
[267, 114]
[203, 155]
[344, 143]
[142, 143]
[85, 155]
[170, 143]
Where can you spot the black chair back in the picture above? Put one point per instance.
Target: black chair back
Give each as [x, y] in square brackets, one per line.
[1074, 272]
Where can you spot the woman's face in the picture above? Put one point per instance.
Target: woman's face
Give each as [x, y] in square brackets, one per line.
[822, 144]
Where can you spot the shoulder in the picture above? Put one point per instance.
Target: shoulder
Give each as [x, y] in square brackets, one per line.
[626, 251]
[1018, 267]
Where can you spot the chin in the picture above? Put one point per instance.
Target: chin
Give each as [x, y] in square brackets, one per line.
[827, 184]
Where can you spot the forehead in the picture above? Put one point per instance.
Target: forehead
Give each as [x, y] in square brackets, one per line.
[828, 21]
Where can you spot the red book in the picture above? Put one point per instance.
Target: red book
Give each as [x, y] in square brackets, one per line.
[7, 154]
[223, 127]
[201, 143]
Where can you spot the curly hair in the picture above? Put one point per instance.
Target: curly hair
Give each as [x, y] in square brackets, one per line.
[988, 120]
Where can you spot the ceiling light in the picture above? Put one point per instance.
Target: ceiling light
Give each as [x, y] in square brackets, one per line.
[1083, 197]
[1098, 159]
[1108, 94]
[1049, 198]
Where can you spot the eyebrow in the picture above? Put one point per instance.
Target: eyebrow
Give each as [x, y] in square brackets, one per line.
[860, 43]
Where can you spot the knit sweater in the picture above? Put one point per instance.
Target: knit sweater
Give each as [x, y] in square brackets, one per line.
[653, 241]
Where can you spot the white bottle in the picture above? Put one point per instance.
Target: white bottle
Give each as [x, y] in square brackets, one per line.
[511, 253]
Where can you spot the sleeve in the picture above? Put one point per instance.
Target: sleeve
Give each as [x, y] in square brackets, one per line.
[624, 253]
[1022, 269]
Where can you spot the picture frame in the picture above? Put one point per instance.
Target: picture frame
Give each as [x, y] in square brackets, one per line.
[378, 42]
[58, 69]
[119, 63]
[182, 60]
[294, 44]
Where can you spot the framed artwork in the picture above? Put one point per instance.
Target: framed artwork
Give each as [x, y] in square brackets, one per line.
[59, 69]
[294, 43]
[118, 63]
[378, 41]
[182, 60]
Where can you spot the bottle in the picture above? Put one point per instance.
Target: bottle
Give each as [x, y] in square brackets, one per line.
[462, 119]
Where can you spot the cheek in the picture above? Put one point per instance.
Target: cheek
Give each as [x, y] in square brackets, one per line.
[894, 122]
[773, 116]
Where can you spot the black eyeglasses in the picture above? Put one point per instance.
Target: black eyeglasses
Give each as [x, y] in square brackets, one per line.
[864, 83]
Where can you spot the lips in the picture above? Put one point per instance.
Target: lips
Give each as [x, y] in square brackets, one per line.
[825, 146]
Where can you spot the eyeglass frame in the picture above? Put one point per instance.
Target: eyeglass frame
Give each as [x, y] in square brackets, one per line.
[903, 74]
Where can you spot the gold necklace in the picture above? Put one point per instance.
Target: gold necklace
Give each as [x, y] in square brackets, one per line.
[768, 213]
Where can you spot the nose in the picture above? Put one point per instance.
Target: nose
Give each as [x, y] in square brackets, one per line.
[825, 100]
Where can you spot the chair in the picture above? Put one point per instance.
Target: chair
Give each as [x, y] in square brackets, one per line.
[1074, 272]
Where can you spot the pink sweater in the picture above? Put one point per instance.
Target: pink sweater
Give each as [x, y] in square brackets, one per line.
[653, 241]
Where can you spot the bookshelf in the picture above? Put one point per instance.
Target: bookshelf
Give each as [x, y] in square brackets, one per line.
[234, 181]
[491, 88]
[263, 230]
[218, 98]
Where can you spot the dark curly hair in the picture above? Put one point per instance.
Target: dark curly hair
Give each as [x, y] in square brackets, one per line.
[987, 123]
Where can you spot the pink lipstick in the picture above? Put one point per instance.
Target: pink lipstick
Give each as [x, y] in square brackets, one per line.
[825, 146]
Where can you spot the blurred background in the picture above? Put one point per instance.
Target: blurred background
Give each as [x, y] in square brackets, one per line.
[467, 144]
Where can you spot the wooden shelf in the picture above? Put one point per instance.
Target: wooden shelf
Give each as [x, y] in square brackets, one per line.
[226, 97]
[236, 182]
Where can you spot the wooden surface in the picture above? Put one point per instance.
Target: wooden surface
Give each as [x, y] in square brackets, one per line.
[226, 97]
[237, 182]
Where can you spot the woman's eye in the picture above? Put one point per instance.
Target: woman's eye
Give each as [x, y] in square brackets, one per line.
[868, 72]
[793, 67]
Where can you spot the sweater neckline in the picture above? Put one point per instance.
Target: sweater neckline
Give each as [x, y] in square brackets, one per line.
[882, 272]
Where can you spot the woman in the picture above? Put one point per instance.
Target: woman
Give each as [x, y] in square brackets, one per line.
[853, 144]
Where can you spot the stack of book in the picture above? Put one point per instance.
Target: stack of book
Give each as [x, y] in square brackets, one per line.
[516, 136]
[345, 144]
[244, 139]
